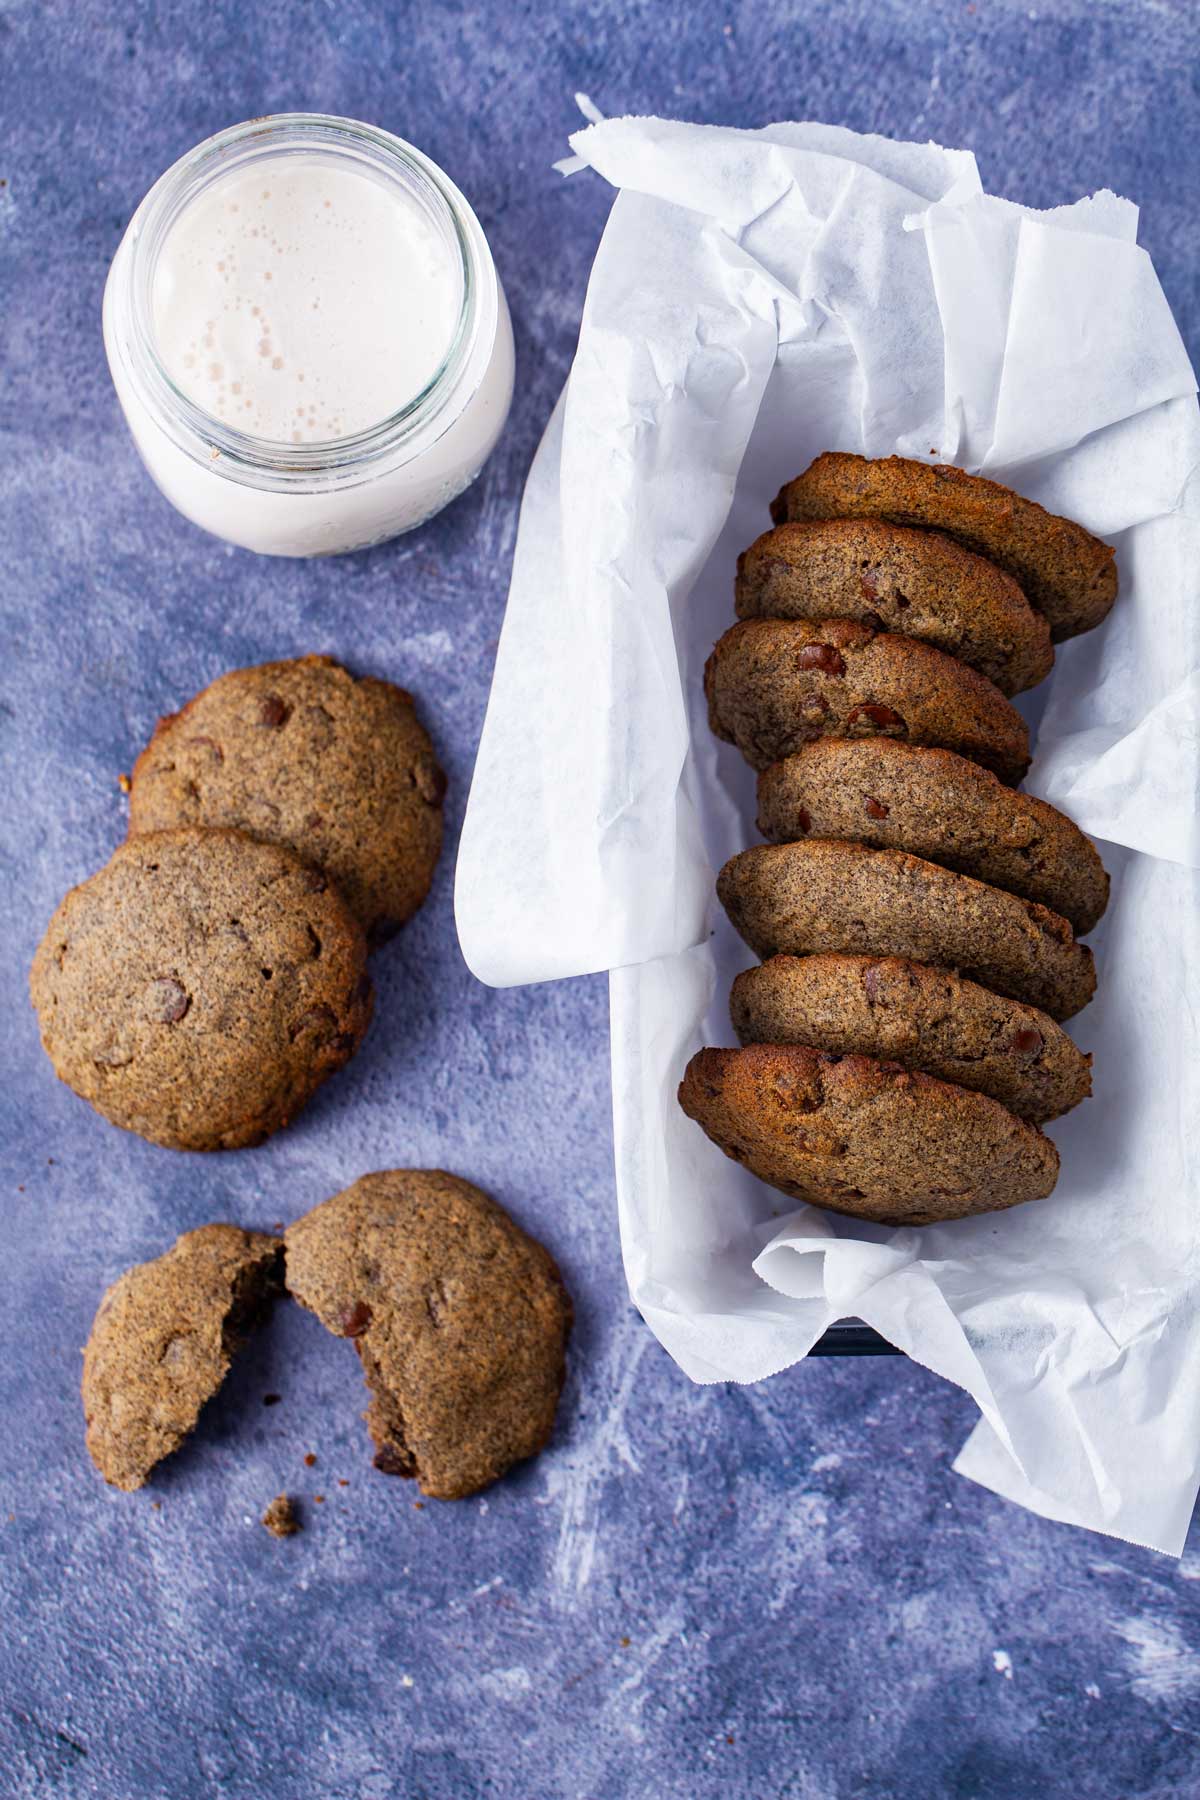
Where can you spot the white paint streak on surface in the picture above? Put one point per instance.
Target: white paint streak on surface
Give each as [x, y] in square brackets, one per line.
[507, 1684]
[830, 1460]
[630, 1695]
[1003, 1664]
[576, 1478]
[1166, 1667]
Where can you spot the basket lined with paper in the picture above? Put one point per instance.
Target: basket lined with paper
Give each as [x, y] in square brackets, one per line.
[758, 298]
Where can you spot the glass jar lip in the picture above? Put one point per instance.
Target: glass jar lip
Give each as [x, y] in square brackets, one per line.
[199, 432]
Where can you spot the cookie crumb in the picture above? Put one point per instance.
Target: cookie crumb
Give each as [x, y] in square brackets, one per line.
[309, 1460]
[124, 783]
[342, 1482]
[280, 1517]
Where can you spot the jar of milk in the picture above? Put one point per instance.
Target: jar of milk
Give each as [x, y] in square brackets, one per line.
[308, 336]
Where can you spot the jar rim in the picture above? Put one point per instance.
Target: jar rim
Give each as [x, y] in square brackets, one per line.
[240, 455]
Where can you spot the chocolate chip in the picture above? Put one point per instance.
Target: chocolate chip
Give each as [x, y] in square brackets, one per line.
[796, 1095]
[875, 809]
[274, 712]
[1027, 1041]
[207, 743]
[356, 1320]
[435, 1301]
[821, 656]
[881, 717]
[391, 1460]
[804, 819]
[318, 1018]
[167, 1000]
[868, 587]
[429, 781]
[873, 620]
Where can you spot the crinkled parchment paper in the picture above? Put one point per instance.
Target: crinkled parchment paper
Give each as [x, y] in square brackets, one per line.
[759, 297]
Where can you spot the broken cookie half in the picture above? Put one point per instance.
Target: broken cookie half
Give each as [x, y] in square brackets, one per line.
[459, 1318]
[163, 1340]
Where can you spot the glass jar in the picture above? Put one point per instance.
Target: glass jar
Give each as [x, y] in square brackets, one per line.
[340, 493]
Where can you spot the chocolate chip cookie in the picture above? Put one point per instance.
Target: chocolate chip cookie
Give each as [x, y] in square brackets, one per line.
[302, 754]
[926, 1019]
[774, 685]
[1065, 572]
[895, 579]
[864, 1137]
[163, 1340]
[200, 987]
[823, 894]
[942, 807]
[460, 1321]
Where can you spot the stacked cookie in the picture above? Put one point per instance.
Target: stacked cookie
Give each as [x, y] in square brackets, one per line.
[201, 986]
[917, 917]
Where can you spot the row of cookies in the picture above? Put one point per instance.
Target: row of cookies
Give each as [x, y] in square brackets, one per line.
[459, 1318]
[917, 917]
[201, 986]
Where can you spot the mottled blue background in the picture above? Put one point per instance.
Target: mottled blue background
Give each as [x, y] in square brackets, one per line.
[776, 1591]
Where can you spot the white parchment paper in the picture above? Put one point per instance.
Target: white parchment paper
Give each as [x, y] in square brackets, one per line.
[759, 297]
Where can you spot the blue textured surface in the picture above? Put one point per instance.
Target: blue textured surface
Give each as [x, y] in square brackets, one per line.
[779, 1591]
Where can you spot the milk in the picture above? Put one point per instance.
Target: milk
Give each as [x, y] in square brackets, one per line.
[308, 337]
[300, 301]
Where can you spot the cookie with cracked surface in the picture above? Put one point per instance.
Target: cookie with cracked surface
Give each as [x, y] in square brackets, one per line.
[303, 754]
[864, 1137]
[1065, 572]
[200, 987]
[163, 1340]
[942, 807]
[460, 1320]
[895, 579]
[824, 894]
[774, 685]
[926, 1019]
